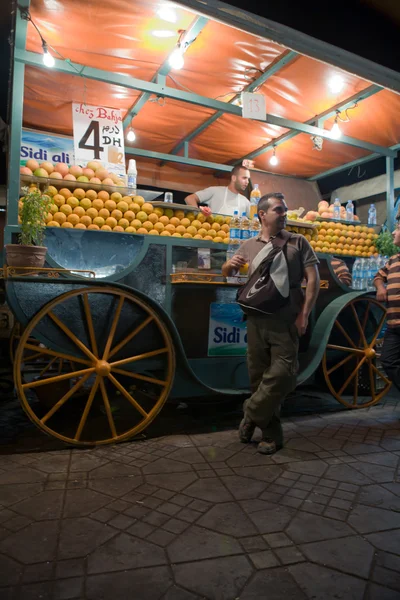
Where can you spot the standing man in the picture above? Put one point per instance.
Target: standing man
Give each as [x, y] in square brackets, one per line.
[273, 340]
[387, 284]
[224, 200]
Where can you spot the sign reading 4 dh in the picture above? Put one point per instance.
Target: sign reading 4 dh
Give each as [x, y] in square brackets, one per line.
[98, 135]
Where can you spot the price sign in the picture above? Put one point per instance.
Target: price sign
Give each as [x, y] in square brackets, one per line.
[99, 135]
[248, 164]
[254, 106]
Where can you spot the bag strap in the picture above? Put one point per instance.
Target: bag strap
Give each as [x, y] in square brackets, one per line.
[277, 242]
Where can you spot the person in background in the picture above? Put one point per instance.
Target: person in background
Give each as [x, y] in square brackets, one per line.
[387, 284]
[224, 199]
[341, 271]
[273, 340]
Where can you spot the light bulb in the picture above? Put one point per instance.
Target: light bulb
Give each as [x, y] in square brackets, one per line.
[131, 135]
[48, 59]
[167, 14]
[336, 84]
[273, 160]
[335, 131]
[176, 59]
[163, 33]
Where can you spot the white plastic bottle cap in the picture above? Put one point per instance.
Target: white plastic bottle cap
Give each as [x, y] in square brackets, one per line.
[132, 165]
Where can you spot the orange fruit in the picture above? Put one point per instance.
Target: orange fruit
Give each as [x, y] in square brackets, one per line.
[98, 221]
[117, 214]
[117, 197]
[196, 223]
[217, 239]
[92, 213]
[67, 225]
[185, 222]
[164, 220]
[200, 217]
[148, 225]
[105, 228]
[142, 216]
[208, 237]
[110, 205]
[147, 207]
[136, 223]
[205, 226]
[79, 210]
[66, 209]
[202, 232]
[130, 230]
[122, 206]
[98, 204]
[119, 228]
[129, 215]
[197, 237]
[86, 220]
[176, 235]
[80, 226]
[159, 211]
[142, 231]
[103, 212]
[212, 233]
[74, 219]
[170, 228]
[93, 227]
[191, 216]
[175, 221]
[179, 214]
[59, 200]
[65, 192]
[111, 222]
[123, 223]
[134, 207]
[159, 227]
[91, 194]
[53, 224]
[59, 217]
[165, 233]
[103, 195]
[153, 232]
[153, 218]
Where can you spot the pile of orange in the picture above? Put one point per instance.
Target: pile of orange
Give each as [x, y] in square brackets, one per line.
[347, 240]
[88, 209]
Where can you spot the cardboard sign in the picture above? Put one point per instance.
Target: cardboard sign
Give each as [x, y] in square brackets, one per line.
[254, 106]
[227, 332]
[99, 135]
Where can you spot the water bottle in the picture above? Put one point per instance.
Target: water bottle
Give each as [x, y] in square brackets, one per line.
[254, 200]
[255, 227]
[244, 228]
[356, 272]
[371, 274]
[168, 197]
[336, 209]
[372, 215]
[363, 273]
[234, 236]
[132, 177]
[349, 211]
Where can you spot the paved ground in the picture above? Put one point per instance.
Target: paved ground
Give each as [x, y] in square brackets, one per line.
[198, 515]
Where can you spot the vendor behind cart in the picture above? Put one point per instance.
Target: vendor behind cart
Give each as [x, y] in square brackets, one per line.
[224, 199]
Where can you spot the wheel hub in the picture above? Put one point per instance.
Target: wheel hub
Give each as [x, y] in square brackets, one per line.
[370, 353]
[102, 368]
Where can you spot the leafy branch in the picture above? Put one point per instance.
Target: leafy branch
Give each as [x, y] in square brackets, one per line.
[384, 244]
[34, 207]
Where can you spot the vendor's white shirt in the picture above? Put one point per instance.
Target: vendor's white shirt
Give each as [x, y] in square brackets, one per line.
[221, 200]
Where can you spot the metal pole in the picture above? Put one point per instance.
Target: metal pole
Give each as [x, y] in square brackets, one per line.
[390, 192]
[17, 106]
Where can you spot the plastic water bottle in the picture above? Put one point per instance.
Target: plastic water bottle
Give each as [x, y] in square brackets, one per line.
[244, 228]
[349, 211]
[336, 209]
[255, 227]
[356, 274]
[371, 274]
[254, 200]
[132, 177]
[364, 273]
[234, 236]
[372, 215]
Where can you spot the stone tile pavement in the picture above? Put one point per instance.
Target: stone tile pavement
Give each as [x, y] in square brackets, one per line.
[197, 515]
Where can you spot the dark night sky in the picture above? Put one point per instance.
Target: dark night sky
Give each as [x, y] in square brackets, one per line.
[369, 28]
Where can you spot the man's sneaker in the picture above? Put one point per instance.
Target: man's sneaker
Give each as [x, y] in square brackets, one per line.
[246, 430]
[268, 446]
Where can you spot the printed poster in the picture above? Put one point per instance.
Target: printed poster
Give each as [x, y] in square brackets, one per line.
[46, 147]
[227, 332]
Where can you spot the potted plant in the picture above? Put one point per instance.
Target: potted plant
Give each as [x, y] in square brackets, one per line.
[34, 207]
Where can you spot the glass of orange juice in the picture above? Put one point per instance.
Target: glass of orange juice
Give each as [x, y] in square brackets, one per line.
[244, 269]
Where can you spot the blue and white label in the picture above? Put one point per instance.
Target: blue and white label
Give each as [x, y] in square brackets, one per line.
[45, 147]
[227, 332]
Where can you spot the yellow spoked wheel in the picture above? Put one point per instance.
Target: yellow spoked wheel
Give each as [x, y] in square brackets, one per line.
[351, 365]
[109, 370]
[14, 341]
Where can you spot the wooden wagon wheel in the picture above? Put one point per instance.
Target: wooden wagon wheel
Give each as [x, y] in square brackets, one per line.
[351, 362]
[124, 366]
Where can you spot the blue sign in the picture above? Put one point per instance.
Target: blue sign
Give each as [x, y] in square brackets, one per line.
[46, 147]
[227, 332]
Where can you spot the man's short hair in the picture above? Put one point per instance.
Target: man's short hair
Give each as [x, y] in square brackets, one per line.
[264, 203]
[236, 169]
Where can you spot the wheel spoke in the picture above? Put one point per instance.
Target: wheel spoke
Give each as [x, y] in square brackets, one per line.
[108, 408]
[66, 397]
[130, 336]
[381, 375]
[86, 411]
[60, 366]
[346, 335]
[124, 361]
[113, 328]
[33, 384]
[31, 356]
[378, 330]
[53, 360]
[371, 380]
[350, 377]
[341, 363]
[127, 395]
[58, 355]
[355, 395]
[143, 377]
[89, 321]
[71, 336]
[366, 317]
[344, 349]
[357, 320]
